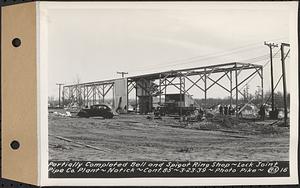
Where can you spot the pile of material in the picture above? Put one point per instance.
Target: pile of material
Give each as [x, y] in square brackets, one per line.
[67, 114]
[240, 126]
[227, 121]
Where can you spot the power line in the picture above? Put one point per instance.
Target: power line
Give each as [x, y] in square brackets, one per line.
[200, 57]
[256, 59]
[260, 58]
[256, 74]
[255, 45]
[182, 63]
[195, 59]
[252, 60]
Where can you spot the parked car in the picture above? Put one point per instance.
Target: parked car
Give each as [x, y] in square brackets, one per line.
[99, 110]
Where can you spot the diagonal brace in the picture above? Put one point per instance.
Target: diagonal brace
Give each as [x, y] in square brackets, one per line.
[215, 82]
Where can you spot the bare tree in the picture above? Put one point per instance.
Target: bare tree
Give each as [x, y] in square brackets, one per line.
[78, 99]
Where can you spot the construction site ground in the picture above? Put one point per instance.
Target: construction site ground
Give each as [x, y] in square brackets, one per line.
[141, 137]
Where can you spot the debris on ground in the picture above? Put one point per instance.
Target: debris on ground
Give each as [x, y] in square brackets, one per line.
[209, 114]
[60, 147]
[158, 117]
[149, 117]
[234, 125]
[185, 150]
[67, 114]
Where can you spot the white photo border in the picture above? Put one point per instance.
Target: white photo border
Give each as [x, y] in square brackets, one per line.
[44, 180]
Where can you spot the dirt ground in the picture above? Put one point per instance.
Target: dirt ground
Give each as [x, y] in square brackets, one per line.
[134, 137]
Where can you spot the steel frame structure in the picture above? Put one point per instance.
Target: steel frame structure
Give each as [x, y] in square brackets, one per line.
[85, 94]
[229, 70]
[93, 92]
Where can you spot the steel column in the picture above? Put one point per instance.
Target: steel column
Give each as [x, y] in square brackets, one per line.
[180, 96]
[205, 88]
[236, 91]
[136, 97]
[63, 97]
[262, 86]
[103, 95]
[230, 79]
[160, 93]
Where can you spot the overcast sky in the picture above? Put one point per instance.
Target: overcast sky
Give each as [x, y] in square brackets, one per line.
[92, 41]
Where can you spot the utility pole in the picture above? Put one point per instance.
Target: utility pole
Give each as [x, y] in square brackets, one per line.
[283, 57]
[122, 73]
[59, 91]
[271, 46]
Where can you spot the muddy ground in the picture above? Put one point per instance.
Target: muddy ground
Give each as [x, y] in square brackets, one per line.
[134, 137]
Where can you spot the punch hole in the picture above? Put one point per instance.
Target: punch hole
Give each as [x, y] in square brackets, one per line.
[15, 145]
[16, 42]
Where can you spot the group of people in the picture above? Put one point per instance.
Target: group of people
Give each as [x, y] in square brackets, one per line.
[226, 110]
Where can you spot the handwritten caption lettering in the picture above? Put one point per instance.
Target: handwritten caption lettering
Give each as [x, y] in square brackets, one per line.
[92, 169]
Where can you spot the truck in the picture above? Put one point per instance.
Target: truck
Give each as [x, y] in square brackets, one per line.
[176, 104]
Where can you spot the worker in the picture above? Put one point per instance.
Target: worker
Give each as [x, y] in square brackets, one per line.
[262, 112]
[221, 109]
[225, 110]
[231, 111]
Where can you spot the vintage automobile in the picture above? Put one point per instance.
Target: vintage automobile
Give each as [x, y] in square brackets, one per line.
[99, 110]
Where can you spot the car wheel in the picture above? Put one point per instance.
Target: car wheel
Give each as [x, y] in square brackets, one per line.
[109, 116]
[83, 114]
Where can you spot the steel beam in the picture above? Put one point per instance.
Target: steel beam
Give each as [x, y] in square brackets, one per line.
[246, 79]
[219, 85]
[194, 83]
[215, 82]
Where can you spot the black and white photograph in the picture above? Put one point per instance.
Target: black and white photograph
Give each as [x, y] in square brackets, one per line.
[181, 82]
